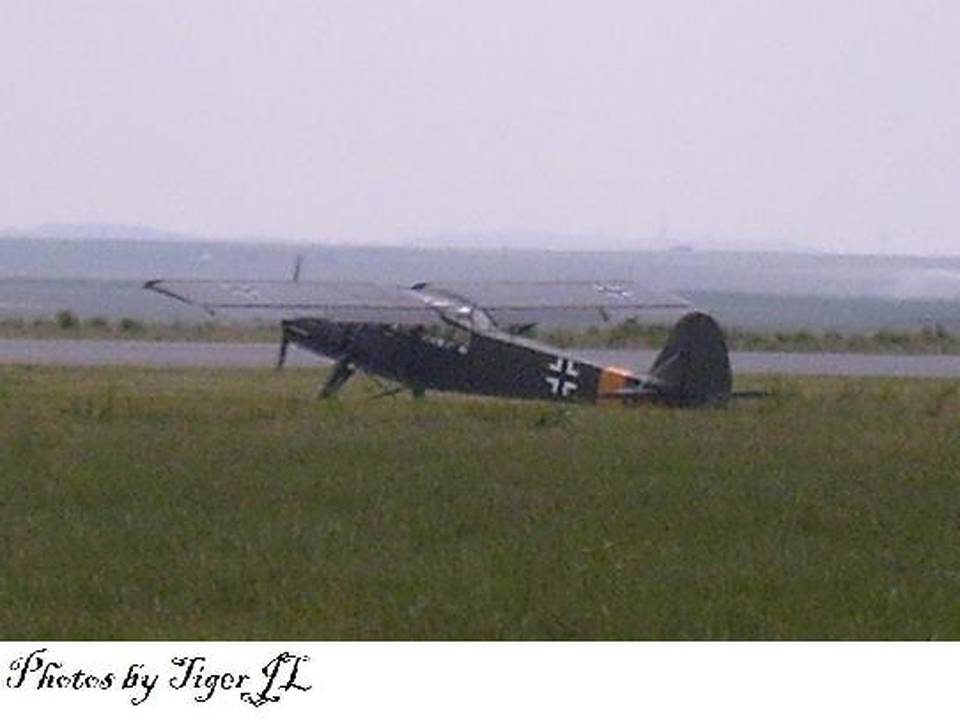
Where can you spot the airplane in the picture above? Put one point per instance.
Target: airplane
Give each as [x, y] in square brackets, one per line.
[472, 337]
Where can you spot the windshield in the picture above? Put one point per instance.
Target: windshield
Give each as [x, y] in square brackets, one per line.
[456, 310]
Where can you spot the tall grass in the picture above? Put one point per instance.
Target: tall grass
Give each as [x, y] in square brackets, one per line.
[227, 504]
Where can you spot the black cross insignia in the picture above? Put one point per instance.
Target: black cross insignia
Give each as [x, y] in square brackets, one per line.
[562, 376]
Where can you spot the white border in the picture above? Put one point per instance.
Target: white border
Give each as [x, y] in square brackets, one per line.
[485, 680]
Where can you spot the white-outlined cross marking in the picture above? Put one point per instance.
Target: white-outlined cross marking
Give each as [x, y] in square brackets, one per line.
[562, 377]
[243, 291]
[614, 290]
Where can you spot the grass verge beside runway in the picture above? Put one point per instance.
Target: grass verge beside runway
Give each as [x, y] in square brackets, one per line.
[627, 335]
[227, 504]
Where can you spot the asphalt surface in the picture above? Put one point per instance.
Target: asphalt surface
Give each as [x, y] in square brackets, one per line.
[185, 354]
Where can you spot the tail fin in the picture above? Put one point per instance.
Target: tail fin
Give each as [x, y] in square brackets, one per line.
[693, 369]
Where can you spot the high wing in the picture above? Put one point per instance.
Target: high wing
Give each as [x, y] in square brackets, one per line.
[508, 304]
[562, 304]
[339, 302]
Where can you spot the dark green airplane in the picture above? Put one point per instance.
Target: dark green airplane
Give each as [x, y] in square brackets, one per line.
[469, 338]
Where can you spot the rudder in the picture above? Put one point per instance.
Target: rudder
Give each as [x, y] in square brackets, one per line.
[693, 369]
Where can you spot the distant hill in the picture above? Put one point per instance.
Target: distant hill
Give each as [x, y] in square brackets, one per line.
[605, 243]
[91, 231]
[771, 273]
[455, 240]
[100, 269]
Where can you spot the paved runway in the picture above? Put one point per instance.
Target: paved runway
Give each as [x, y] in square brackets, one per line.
[113, 352]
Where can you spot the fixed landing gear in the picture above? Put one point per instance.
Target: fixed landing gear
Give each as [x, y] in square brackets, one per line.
[342, 371]
[386, 391]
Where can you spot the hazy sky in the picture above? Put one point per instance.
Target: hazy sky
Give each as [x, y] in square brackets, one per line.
[833, 123]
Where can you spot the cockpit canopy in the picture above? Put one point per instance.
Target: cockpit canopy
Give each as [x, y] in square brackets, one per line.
[454, 309]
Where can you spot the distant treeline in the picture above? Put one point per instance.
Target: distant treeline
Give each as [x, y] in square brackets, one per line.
[627, 335]
[66, 324]
[630, 334]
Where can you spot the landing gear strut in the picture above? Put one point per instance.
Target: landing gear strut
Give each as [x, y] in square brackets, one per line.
[342, 371]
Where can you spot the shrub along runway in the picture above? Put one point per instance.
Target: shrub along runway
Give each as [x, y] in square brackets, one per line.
[238, 354]
[227, 504]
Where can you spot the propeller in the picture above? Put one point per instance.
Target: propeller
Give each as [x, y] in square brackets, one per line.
[285, 334]
[284, 343]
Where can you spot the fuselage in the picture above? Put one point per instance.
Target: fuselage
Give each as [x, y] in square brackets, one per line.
[458, 359]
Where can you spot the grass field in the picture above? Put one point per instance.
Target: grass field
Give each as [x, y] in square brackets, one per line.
[227, 504]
